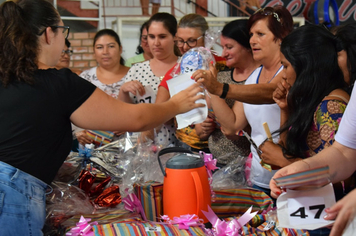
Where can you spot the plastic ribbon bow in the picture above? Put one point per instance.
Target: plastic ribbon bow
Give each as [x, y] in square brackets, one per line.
[184, 221]
[86, 152]
[231, 228]
[210, 165]
[83, 228]
[133, 204]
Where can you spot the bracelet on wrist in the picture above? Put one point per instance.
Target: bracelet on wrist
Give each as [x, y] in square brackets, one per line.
[225, 90]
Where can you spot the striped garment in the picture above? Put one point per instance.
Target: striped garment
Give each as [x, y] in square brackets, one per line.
[144, 228]
[233, 202]
[100, 137]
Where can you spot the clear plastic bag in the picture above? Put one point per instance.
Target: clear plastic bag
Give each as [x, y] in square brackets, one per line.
[230, 176]
[199, 57]
[64, 202]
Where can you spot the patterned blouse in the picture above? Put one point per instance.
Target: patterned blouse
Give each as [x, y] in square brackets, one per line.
[327, 118]
[223, 149]
[110, 89]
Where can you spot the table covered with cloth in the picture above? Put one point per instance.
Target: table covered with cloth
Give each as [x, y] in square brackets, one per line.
[228, 204]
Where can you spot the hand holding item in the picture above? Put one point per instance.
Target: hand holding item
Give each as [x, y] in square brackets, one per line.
[83, 138]
[272, 154]
[209, 79]
[134, 87]
[290, 169]
[186, 99]
[281, 93]
[205, 128]
[344, 211]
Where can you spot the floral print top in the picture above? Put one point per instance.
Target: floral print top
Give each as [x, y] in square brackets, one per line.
[110, 89]
[327, 118]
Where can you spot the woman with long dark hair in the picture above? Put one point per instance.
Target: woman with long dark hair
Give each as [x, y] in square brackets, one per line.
[312, 98]
[38, 104]
[312, 83]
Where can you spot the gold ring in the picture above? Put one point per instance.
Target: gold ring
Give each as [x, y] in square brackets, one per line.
[204, 73]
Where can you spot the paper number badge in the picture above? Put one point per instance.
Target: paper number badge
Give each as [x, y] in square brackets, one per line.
[148, 97]
[305, 209]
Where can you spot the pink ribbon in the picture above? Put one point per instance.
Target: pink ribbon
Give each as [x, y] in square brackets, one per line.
[83, 228]
[209, 162]
[210, 165]
[184, 221]
[231, 228]
[133, 204]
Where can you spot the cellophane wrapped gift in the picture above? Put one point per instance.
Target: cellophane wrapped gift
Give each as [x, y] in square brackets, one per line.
[64, 202]
[198, 57]
[232, 175]
[84, 177]
[143, 166]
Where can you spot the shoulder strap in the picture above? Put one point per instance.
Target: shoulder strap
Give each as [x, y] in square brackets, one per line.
[339, 97]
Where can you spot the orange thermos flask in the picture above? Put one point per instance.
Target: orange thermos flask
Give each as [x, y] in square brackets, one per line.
[186, 188]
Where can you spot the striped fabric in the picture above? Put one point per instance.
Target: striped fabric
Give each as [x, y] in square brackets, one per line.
[144, 228]
[251, 230]
[100, 137]
[233, 202]
[150, 194]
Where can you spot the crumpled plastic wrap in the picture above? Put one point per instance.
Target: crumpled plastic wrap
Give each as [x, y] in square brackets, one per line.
[143, 166]
[230, 176]
[64, 202]
[122, 162]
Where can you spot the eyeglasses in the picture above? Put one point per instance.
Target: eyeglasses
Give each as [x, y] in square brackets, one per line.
[65, 31]
[190, 42]
[68, 52]
[268, 11]
[144, 37]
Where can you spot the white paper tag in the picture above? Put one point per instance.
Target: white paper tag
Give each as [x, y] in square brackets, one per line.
[305, 209]
[195, 116]
[148, 97]
[153, 229]
[269, 225]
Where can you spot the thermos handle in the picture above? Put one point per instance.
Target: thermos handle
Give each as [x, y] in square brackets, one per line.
[199, 189]
[169, 150]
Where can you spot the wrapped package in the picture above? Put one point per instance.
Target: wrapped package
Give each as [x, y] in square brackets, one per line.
[194, 59]
[150, 194]
[232, 175]
[64, 202]
[198, 57]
